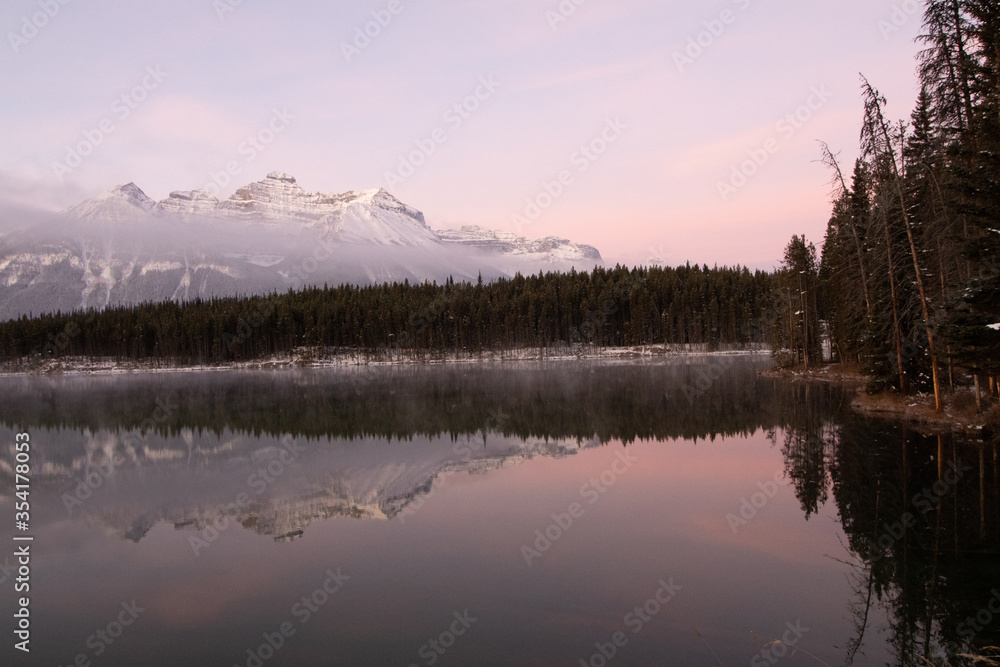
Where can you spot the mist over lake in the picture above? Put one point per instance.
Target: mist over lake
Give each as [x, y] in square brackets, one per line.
[678, 511]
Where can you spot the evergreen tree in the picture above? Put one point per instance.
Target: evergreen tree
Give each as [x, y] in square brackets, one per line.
[797, 286]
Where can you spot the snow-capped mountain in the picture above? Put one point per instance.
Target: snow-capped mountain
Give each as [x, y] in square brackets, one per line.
[513, 253]
[122, 247]
[370, 479]
[369, 216]
[124, 204]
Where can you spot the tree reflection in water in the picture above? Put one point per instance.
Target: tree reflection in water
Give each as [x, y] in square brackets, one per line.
[921, 514]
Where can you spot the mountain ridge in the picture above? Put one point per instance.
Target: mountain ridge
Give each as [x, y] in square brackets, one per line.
[121, 247]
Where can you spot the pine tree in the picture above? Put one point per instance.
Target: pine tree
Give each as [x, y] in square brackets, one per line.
[879, 145]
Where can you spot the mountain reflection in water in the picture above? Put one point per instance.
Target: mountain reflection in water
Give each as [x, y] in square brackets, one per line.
[213, 456]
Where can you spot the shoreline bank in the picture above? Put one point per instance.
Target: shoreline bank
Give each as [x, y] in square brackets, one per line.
[958, 412]
[307, 358]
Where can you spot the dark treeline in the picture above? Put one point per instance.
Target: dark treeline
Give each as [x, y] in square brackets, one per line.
[921, 518]
[699, 398]
[606, 307]
[909, 278]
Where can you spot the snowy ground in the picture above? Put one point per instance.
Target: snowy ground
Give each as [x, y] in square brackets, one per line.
[315, 358]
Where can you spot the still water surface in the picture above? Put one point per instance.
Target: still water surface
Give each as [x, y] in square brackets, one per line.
[682, 512]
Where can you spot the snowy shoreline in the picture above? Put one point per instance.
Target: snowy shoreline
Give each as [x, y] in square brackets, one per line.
[310, 358]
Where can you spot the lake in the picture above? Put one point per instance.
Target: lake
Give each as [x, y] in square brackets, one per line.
[680, 511]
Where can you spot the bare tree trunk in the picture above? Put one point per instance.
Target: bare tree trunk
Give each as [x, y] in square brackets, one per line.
[804, 306]
[951, 369]
[955, 493]
[982, 493]
[934, 570]
[831, 159]
[897, 337]
[963, 66]
[792, 347]
[913, 248]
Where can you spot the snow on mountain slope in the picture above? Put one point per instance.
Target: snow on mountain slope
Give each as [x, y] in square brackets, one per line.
[191, 204]
[375, 216]
[126, 203]
[512, 244]
[121, 247]
[385, 480]
[369, 216]
[517, 253]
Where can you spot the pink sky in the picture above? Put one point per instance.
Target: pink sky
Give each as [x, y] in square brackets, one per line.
[652, 193]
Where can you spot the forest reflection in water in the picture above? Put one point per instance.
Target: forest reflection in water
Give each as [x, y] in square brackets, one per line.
[920, 514]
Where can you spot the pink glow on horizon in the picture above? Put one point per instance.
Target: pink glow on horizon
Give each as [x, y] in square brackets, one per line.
[655, 190]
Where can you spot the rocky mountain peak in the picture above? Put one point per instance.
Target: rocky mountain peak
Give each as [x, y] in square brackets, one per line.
[551, 248]
[191, 202]
[125, 203]
[121, 247]
[279, 176]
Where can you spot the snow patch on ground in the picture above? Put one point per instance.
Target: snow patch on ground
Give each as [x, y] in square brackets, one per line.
[161, 266]
[333, 358]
